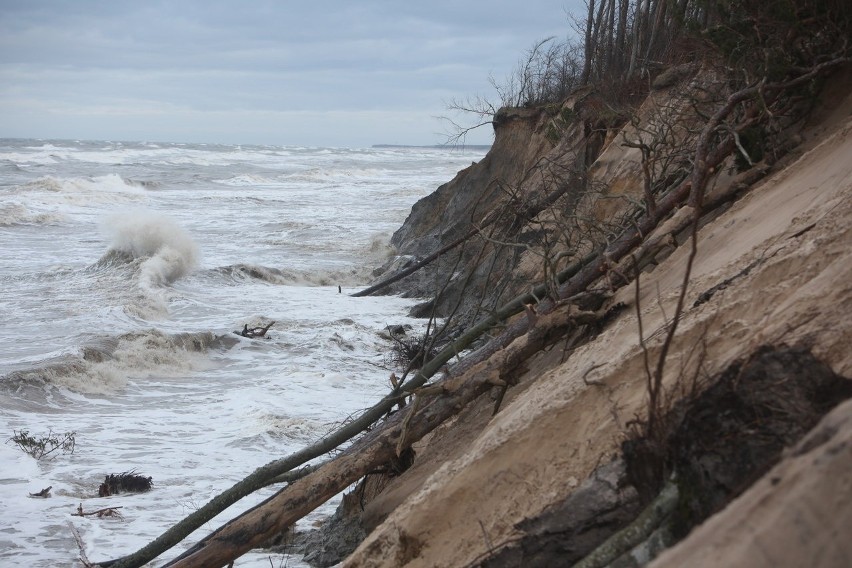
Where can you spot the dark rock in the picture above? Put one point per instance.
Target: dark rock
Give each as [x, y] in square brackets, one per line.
[422, 310]
[335, 540]
[732, 433]
[737, 430]
[567, 531]
[398, 329]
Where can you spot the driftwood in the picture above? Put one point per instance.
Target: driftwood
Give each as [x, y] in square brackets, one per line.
[254, 331]
[43, 493]
[80, 546]
[100, 513]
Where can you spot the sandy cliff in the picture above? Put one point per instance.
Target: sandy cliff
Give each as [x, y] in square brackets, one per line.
[538, 159]
[774, 269]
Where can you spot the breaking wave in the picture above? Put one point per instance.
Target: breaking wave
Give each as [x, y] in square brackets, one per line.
[237, 273]
[16, 214]
[106, 365]
[246, 180]
[146, 184]
[242, 272]
[110, 188]
[166, 250]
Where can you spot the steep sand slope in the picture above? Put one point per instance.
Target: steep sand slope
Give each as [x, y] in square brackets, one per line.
[795, 228]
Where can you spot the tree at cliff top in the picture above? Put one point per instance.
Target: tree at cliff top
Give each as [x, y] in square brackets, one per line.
[626, 43]
[737, 44]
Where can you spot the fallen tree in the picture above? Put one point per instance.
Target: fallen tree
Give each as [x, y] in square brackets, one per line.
[352, 468]
[283, 469]
[445, 399]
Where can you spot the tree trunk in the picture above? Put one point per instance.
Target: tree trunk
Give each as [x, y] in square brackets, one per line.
[255, 526]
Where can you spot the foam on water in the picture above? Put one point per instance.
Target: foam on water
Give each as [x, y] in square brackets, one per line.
[145, 234]
[19, 214]
[110, 188]
[161, 252]
[127, 267]
[247, 180]
[106, 364]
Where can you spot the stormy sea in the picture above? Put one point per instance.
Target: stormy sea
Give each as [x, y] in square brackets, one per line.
[125, 271]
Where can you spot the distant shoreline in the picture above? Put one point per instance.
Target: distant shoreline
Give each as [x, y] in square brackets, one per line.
[436, 146]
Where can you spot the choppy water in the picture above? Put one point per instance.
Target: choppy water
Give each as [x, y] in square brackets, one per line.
[124, 269]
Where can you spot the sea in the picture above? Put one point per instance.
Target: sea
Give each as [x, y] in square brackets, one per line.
[126, 271]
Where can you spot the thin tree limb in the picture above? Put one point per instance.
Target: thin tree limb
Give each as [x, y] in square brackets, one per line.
[530, 211]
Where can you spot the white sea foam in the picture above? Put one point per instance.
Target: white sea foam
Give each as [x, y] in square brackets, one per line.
[45, 155]
[297, 429]
[17, 214]
[106, 365]
[167, 250]
[246, 180]
[127, 345]
[110, 188]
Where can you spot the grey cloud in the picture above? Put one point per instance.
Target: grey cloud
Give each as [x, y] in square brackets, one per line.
[187, 58]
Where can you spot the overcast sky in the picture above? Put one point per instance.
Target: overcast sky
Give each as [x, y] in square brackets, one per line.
[309, 72]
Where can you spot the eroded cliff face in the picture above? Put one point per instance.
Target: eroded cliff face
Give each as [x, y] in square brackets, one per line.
[560, 178]
[491, 207]
[448, 213]
[772, 269]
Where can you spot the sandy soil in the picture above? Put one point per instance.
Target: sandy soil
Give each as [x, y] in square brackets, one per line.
[795, 228]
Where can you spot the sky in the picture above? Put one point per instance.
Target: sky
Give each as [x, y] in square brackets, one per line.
[308, 72]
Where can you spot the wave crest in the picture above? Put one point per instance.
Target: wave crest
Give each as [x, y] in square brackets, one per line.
[168, 250]
[105, 365]
[16, 214]
[246, 180]
[243, 271]
[109, 188]
[288, 277]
